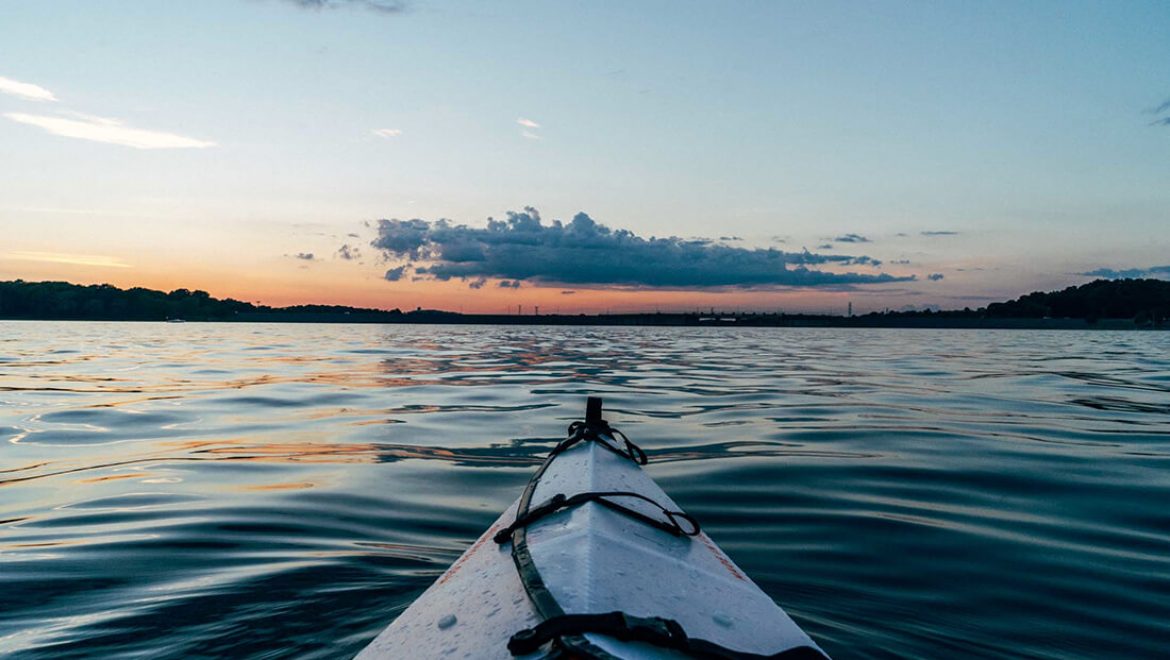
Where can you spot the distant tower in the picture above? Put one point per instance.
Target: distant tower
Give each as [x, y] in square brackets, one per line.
[537, 312]
[850, 308]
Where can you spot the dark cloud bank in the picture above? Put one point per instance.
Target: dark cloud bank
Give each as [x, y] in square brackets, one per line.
[1157, 272]
[583, 252]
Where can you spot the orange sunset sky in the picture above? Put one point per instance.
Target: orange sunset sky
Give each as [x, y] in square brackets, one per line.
[779, 157]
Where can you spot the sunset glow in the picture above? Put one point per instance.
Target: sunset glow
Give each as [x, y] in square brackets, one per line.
[729, 168]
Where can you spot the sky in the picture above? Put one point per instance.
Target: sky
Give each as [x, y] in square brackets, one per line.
[586, 156]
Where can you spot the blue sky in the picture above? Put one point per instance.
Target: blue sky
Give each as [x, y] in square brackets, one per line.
[1027, 129]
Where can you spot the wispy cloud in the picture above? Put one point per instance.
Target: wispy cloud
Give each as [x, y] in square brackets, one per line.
[851, 238]
[25, 90]
[387, 132]
[934, 277]
[529, 128]
[523, 248]
[110, 131]
[89, 127]
[99, 260]
[1162, 109]
[939, 233]
[304, 256]
[380, 6]
[395, 274]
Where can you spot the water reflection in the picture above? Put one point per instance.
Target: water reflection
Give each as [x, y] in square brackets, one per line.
[284, 490]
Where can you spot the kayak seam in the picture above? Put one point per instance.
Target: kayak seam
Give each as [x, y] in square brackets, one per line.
[542, 599]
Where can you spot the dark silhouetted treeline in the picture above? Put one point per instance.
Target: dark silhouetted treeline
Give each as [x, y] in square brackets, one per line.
[1104, 303]
[104, 302]
[1144, 301]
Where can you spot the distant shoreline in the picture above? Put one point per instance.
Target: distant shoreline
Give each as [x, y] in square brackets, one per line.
[659, 320]
[1101, 305]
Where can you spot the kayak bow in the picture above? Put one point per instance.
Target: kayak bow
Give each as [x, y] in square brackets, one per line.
[594, 561]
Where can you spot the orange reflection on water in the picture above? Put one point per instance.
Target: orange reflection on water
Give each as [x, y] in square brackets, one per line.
[299, 452]
[114, 477]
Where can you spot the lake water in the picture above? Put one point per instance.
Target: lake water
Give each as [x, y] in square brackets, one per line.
[257, 490]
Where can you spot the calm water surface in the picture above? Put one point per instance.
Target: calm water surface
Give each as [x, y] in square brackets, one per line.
[170, 491]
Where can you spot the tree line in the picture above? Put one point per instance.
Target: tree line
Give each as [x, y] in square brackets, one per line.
[105, 302]
[1144, 301]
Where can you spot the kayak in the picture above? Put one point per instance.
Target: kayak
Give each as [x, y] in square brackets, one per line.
[594, 561]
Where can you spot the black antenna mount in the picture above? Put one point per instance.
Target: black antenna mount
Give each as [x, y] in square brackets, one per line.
[593, 411]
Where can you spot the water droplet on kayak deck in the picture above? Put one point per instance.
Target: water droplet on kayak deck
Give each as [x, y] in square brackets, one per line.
[447, 621]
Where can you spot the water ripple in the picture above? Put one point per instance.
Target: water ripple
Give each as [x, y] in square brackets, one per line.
[286, 490]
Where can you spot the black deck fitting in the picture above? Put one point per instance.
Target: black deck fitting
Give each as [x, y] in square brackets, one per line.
[593, 410]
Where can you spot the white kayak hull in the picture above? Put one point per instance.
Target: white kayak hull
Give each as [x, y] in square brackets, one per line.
[591, 559]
